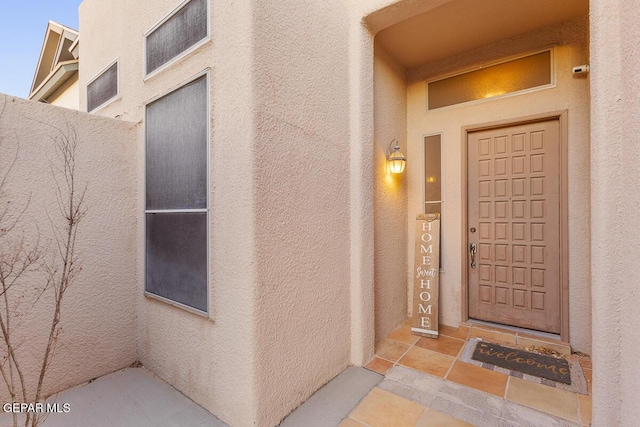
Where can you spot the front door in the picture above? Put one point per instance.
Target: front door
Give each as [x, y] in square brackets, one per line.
[513, 235]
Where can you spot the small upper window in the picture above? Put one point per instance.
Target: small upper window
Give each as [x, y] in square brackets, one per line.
[177, 33]
[103, 88]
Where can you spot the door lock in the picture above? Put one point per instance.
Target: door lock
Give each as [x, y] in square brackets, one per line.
[473, 248]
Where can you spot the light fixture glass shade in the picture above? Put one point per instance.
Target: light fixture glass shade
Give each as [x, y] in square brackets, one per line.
[396, 160]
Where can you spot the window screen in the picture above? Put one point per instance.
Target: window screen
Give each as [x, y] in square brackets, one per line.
[176, 134]
[176, 139]
[183, 29]
[177, 257]
[102, 88]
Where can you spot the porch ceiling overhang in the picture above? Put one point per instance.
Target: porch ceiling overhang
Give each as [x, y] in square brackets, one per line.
[458, 26]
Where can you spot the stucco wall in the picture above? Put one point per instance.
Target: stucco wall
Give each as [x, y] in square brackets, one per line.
[99, 311]
[210, 360]
[281, 223]
[390, 194]
[67, 95]
[615, 198]
[280, 248]
[302, 200]
[571, 93]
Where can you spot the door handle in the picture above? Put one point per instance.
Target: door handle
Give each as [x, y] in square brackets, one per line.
[473, 248]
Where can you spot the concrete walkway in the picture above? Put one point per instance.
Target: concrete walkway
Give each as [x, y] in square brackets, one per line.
[135, 397]
[129, 397]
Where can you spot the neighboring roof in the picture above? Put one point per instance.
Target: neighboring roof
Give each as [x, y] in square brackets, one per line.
[58, 60]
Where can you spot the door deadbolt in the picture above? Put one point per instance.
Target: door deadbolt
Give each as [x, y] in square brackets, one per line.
[472, 229]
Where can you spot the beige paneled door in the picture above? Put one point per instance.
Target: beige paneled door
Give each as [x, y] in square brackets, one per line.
[513, 221]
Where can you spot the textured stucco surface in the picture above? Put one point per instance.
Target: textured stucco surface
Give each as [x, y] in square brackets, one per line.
[390, 195]
[615, 198]
[209, 359]
[280, 219]
[99, 310]
[361, 230]
[292, 218]
[302, 200]
[571, 93]
[381, 14]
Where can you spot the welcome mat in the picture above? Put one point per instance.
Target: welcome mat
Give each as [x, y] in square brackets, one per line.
[539, 365]
[578, 379]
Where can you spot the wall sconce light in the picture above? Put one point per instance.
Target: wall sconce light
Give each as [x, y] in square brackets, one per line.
[395, 159]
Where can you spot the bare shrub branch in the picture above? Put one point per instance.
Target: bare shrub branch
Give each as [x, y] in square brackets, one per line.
[28, 273]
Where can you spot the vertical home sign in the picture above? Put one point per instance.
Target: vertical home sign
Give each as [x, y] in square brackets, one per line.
[426, 276]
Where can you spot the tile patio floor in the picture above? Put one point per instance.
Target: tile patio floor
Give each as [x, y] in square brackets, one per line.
[427, 384]
[412, 382]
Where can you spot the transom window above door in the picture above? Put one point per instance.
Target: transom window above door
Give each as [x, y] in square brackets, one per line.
[530, 72]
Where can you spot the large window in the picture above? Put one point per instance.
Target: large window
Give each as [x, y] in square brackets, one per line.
[182, 30]
[176, 135]
[103, 88]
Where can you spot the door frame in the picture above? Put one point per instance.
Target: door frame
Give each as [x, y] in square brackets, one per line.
[562, 117]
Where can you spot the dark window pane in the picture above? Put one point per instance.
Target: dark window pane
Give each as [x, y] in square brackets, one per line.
[176, 149]
[176, 257]
[103, 88]
[184, 29]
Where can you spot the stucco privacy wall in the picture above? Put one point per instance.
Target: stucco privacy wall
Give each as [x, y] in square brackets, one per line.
[615, 198]
[571, 93]
[210, 360]
[99, 309]
[390, 194]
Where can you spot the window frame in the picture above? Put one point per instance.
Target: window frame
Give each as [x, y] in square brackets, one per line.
[146, 75]
[207, 210]
[96, 77]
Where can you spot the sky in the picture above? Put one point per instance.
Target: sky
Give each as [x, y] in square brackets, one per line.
[22, 27]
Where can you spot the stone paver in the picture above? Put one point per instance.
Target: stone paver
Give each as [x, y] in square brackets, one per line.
[434, 376]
